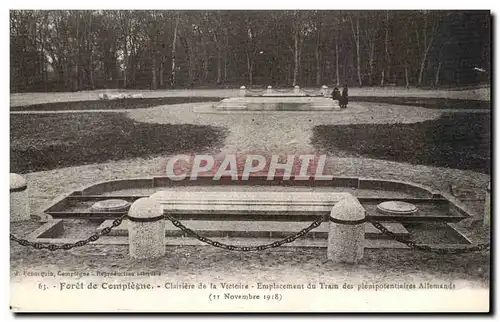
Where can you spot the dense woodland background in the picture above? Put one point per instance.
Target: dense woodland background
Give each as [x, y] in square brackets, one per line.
[81, 50]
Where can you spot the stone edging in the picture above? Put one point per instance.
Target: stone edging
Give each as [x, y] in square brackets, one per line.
[358, 183]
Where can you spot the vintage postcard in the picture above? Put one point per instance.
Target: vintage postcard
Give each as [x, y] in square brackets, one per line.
[250, 161]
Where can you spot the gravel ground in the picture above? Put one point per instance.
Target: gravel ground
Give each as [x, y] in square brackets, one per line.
[275, 132]
[121, 104]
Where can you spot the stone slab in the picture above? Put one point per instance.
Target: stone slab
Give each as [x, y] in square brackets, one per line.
[270, 103]
[254, 201]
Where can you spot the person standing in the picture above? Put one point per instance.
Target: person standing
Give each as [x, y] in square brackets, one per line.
[345, 97]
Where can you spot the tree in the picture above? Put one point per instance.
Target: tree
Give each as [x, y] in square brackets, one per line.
[356, 35]
[86, 49]
[386, 67]
[369, 40]
[427, 33]
[174, 46]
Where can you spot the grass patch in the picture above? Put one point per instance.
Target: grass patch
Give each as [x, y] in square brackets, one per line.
[50, 141]
[432, 103]
[130, 103]
[456, 140]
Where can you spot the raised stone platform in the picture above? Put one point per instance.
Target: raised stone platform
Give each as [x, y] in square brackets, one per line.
[273, 103]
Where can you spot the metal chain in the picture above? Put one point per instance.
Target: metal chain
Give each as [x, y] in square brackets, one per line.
[413, 245]
[286, 240]
[52, 247]
[278, 243]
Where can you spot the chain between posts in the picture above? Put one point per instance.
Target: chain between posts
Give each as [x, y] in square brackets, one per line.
[105, 231]
[52, 247]
[415, 246]
[218, 244]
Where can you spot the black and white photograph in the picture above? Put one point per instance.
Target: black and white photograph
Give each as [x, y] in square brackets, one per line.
[250, 160]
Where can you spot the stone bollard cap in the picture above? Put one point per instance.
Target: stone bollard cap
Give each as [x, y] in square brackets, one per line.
[396, 208]
[242, 87]
[269, 87]
[146, 208]
[324, 86]
[348, 209]
[111, 205]
[17, 182]
[296, 86]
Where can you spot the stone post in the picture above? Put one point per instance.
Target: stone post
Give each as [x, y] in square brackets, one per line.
[243, 91]
[324, 91]
[19, 198]
[487, 208]
[346, 237]
[146, 229]
[269, 89]
[296, 89]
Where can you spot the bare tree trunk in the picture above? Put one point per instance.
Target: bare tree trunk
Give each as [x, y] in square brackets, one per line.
[422, 65]
[371, 61]
[296, 56]
[250, 70]
[219, 59]
[161, 74]
[205, 66]
[153, 73]
[337, 66]
[219, 67]
[77, 60]
[407, 79]
[355, 31]
[91, 72]
[174, 42]
[318, 67]
[436, 81]
[318, 59]
[427, 47]
[225, 68]
[387, 65]
[225, 57]
[358, 54]
[91, 67]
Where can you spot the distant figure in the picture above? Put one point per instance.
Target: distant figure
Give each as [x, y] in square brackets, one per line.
[336, 94]
[345, 97]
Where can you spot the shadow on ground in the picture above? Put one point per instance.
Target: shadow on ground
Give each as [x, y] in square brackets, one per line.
[50, 141]
[456, 140]
[131, 103]
[433, 103]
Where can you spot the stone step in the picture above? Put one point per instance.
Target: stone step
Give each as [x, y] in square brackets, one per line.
[260, 229]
